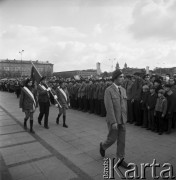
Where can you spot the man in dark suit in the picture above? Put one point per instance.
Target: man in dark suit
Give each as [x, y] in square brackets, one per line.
[44, 101]
[116, 107]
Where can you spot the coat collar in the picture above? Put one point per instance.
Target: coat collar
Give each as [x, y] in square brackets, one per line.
[115, 88]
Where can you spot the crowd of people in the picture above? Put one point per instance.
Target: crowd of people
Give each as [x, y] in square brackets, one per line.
[151, 100]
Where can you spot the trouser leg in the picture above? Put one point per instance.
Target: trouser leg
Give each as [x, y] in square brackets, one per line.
[46, 114]
[121, 141]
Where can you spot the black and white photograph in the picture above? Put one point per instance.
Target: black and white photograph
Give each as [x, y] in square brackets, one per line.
[87, 89]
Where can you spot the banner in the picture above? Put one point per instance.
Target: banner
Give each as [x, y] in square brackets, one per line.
[35, 75]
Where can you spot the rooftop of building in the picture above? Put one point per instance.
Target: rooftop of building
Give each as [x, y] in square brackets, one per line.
[89, 70]
[24, 61]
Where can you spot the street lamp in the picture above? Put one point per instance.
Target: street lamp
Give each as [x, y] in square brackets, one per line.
[21, 52]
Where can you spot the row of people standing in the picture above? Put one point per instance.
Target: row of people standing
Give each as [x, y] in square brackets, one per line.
[11, 86]
[88, 95]
[151, 105]
[142, 94]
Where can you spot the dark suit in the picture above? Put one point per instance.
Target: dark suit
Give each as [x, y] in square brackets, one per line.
[44, 104]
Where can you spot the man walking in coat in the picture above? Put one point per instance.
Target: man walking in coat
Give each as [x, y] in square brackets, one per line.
[116, 106]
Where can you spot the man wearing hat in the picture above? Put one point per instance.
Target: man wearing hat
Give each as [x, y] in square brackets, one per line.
[116, 106]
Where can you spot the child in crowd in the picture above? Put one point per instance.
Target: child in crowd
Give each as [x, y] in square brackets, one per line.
[160, 111]
[144, 112]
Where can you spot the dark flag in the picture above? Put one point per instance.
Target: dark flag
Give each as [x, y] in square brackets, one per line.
[35, 75]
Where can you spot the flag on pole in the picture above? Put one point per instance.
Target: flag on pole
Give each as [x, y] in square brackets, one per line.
[35, 75]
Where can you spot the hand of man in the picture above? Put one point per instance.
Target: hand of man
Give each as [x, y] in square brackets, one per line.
[114, 126]
[49, 89]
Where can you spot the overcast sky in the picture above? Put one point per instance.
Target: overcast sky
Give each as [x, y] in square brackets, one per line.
[75, 34]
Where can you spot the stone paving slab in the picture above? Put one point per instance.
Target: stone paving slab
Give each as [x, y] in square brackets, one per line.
[10, 129]
[16, 138]
[21, 153]
[7, 122]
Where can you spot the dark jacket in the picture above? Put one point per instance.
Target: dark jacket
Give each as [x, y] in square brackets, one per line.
[151, 102]
[144, 98]
[26, 103]
[43, 95]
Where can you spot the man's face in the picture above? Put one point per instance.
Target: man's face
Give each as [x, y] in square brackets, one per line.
[147, 78]
[44, 81]
[171, 82]
[30, 83]
[166, 89]
[133, 79]
[159, 94]
[152, 91]
[119, 80]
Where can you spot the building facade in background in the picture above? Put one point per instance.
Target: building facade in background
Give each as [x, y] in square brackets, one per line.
[72, 74]
[21, 68]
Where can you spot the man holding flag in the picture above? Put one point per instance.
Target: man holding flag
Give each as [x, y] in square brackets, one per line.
[43, 95]
[44, 101]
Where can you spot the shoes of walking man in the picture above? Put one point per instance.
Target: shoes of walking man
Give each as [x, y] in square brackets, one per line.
[102, 151]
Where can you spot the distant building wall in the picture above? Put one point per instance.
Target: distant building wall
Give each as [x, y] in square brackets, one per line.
[18, 68]
[163, 71]
[71, 74]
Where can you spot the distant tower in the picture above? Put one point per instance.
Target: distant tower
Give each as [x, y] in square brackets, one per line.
[117, 66]
[147, 69]
[98, 68]
[125, 66]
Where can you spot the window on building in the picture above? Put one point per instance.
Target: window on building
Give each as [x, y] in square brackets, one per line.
[17, 68]
[6, 68]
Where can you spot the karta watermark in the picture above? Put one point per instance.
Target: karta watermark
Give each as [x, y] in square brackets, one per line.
[111, 167]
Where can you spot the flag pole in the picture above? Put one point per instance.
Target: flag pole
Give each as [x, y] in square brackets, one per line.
[47, 85]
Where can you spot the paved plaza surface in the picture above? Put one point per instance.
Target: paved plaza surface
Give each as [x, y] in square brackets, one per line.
[70, 153]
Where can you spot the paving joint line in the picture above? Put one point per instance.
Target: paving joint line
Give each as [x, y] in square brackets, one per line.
[12, 133]
[80, 173]
[17, 144]
[29, 161]
[7, 125]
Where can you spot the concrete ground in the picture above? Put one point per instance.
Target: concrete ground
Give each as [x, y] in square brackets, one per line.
[71, 153]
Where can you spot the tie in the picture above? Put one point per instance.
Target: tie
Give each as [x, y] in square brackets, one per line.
[119, 91]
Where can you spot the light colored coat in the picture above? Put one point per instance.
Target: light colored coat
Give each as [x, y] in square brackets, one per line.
[116, 105]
